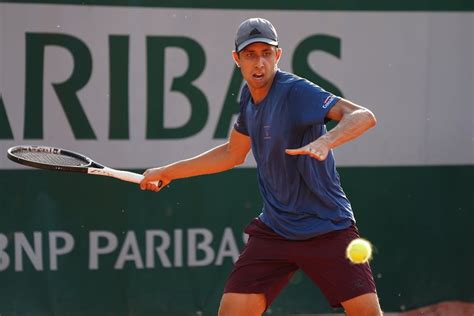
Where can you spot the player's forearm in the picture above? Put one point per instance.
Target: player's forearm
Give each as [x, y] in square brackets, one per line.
[215, 160]
[351, 126]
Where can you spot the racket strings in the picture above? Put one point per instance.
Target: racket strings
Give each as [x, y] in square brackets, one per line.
[52, 159]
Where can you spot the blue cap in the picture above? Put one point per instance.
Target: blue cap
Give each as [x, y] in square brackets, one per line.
[255, 30]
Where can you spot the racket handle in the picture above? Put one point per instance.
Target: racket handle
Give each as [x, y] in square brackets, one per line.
[120, 174]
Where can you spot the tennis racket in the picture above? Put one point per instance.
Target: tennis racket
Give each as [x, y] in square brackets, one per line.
[57, 159]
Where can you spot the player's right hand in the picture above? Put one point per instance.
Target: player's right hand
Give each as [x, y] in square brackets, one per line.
[155, 179]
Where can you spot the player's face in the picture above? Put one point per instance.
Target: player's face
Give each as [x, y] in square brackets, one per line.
[258, 63]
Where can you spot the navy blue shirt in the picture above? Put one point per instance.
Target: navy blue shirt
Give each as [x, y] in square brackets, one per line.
[302, 197]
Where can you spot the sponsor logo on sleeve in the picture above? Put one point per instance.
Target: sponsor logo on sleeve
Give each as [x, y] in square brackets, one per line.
[327, 101]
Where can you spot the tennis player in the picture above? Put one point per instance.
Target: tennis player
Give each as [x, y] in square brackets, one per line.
[306, 221]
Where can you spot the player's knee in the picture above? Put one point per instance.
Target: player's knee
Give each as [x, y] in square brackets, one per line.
[236, 304]
[364, 311]
[369, 311]
[364, 305]
[236, 310]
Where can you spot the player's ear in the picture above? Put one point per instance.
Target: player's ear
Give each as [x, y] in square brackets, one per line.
[278, 53]
[235, 55]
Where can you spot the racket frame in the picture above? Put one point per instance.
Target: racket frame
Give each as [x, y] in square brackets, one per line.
[88, 163]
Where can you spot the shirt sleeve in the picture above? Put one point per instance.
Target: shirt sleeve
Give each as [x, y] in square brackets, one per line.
[311, 102]
[240, 124]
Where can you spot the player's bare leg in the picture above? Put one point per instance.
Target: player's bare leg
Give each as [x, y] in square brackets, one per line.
[238, 304]
[363, 305]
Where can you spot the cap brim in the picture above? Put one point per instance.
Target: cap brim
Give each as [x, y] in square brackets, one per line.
[256, 40]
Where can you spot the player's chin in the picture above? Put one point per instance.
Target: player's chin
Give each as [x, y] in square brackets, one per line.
[257, 83]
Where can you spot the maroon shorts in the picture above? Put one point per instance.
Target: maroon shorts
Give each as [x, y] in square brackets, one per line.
[268, 261]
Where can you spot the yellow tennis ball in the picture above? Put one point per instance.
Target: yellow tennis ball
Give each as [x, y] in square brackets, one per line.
[359, 251]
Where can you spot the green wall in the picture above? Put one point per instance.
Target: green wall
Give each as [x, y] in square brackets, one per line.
[419, 220]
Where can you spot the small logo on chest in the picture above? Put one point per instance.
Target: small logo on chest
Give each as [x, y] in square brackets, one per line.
[266, 132]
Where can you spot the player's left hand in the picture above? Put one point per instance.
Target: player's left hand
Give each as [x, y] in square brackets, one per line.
[319, 149]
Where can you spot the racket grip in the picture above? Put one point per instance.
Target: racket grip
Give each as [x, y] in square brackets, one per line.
[121, 175]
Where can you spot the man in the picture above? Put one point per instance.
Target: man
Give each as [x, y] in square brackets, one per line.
[306, 222]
